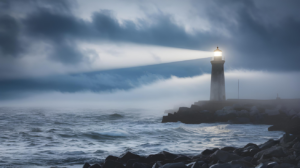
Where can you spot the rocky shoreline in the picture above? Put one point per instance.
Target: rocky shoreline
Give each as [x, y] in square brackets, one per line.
[280, 117]
[281, 153]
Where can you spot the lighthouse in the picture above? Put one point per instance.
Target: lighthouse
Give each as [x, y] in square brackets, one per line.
[217, 85]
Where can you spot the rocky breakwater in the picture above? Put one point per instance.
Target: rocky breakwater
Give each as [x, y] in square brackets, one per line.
[280, 117]
[281, 153]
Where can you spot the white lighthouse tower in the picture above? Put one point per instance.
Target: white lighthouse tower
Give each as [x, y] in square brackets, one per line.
[217, 86]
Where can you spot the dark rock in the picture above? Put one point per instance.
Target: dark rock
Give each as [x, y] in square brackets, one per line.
[272, 164]
[96, 166]
[286, 138]
[127, 156]
[223, 165]
[157, 165]
[155, 157]
[174, 165]
[129, 163]
[168, 155]
[247, 159]
[240, 164]
[86, 165]
[223, 156]
[268, 144]
[197, 164]
[228, 149]
[274, 151]
[209, 151]
[111, 164]
[275, 128]
[182, 158]
[110, 157]
[141, 165]
[296, 146]
[285, 165]
[239, 120]
[205, 165]
[267, 165]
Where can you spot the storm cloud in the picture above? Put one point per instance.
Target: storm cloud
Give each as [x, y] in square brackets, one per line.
[255, 35]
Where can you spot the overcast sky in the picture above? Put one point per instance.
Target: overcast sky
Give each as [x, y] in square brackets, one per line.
[99, 47]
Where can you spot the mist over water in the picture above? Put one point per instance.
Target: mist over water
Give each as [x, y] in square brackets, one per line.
[43, 137]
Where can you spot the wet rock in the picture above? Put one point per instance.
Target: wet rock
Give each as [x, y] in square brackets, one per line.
[209, 151]
[285, 165]
[223, 156]
[155, 157]
[240, 164]
[141, 165]
[96, 166]
[127, 156]
[111, 163]
[296, 146]
[130, 162]
[275, 128]
[157, 165]
[110, 157]
[247, 159]
[274, 151]
[228, 149]
[268, 144]
[86, 165]
[168, 155]
[267, 165]
[239, 120]
[221, 165]
[182, 158]
[174, 165]
[286, 138]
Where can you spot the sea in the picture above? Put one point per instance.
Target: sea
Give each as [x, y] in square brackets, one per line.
[69, 137]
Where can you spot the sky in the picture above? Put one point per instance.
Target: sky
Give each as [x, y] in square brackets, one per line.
[125, 54]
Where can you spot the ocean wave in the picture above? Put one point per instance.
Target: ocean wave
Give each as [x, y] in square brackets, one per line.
[106, 134]
[115, 116]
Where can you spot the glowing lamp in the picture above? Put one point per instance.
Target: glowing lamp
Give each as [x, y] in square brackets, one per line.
[218, 52]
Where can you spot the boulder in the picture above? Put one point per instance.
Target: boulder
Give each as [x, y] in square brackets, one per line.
[285, 165]
[155, 157]
[110, 157]
[239, 120]
[209, 151]
[233, 164]
[267, 165]
[223, 156]
[228, 148]
[140, 165]
[268, 144]
[157, 164]
[197, 164]
[275, 128]
[174, 165]
[130, 162]
[182, 158]
[274, 151]
[86, 165]
[111, 163]
[127, 156]
[286, 138]
[96, 166]
[168, 155]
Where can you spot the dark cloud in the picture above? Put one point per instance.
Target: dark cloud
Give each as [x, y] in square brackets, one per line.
[9, 36]
[252, 40]
[258, 36]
